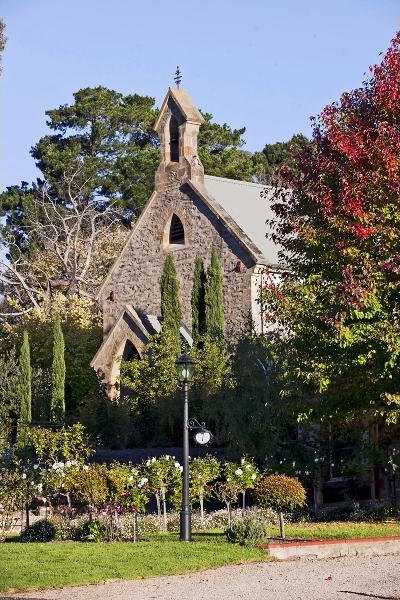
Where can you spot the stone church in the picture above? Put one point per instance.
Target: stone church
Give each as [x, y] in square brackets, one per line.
[188, 214]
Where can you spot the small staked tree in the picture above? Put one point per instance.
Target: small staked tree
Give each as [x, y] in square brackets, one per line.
[57, 409]
[170, 304]
[282, 494]
[25, 381]
[198, 300]
[203, 471]
[214, 299]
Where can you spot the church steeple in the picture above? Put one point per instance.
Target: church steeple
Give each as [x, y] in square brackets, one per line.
[178, 127]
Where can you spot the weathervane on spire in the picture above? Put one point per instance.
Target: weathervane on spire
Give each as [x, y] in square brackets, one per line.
[178, 77]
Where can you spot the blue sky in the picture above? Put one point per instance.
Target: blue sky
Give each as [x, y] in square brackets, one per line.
[264, 64]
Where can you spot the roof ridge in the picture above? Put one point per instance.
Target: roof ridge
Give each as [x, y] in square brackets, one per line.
[237, 181]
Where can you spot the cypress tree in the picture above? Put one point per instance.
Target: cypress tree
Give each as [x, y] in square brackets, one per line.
[198, 300]
[214, 299]
[25, 381]
[57, 408]
[170, 304]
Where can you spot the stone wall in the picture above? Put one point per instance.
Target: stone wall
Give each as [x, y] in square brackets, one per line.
[136, 279]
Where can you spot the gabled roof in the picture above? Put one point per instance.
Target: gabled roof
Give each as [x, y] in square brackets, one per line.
[185, 104]
[248, 208]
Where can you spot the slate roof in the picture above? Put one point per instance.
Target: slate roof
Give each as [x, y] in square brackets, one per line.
[243, 202]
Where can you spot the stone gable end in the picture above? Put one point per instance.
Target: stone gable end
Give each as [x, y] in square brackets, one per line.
[135, 279]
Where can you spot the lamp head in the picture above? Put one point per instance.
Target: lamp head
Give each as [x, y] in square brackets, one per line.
[185, 368]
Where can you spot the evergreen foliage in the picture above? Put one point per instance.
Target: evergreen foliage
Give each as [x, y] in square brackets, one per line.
[214, 300]
[170, 304]
[57, 411]
[25, 381]
[198, 300]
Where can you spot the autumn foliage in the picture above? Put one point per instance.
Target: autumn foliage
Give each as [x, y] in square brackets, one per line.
[337, 220]
[280, 492]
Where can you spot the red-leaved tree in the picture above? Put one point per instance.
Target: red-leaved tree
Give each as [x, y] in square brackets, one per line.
[338, 222]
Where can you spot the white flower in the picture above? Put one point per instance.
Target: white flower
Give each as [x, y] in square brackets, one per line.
[253, 476]
[40, 488]
[142, 482]
[153, 460]
[85, 468]
[294, 463]
[167, 456]
[44, 500]
[238, 472]
[35, 467]
[180, 468]
[228, 478]
[242, 461]
[148, 463]
[248, 467]
[177, 465]
[68, 463]
[130, 478]
[23, 475]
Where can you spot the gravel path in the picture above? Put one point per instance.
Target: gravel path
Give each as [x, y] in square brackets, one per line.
[346, 578]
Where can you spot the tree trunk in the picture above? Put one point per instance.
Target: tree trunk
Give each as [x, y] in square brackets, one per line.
[164, 504]
[135, 527]
[159, 509]
[228, 508]
[282, 525]
[202, 509]
[243, 503]
[27, 522]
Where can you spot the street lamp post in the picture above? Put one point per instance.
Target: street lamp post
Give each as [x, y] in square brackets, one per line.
[185, 368]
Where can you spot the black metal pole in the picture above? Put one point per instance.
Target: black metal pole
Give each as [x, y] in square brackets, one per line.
[185, 524]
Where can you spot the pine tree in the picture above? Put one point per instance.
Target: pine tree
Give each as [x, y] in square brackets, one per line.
[214, 299]
[170, 304]
[25, 381]
[57, 409]
[198, 300]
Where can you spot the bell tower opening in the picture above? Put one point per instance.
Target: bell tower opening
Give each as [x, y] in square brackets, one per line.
[173, 139]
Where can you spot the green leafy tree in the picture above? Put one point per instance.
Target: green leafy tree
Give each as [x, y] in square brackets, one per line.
[164, 479]
[152, 383]
[228, 493]
[9, 396]
[214, 299]
[170, 302]
[25, 382]
[203, 471]
[57, 411]
[282, 153]
[244, 475]
[198, 300]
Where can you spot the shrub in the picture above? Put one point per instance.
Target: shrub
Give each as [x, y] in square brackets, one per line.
[92, 531]
[281, 493]
[65, 527]
[246, 531]
[41, 531]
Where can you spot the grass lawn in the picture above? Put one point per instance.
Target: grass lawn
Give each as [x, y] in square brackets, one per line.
[339, 531]
[57, 564]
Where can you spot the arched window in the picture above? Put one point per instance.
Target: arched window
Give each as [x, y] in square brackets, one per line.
[176, 231]
[173, 139]
[130, 351]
